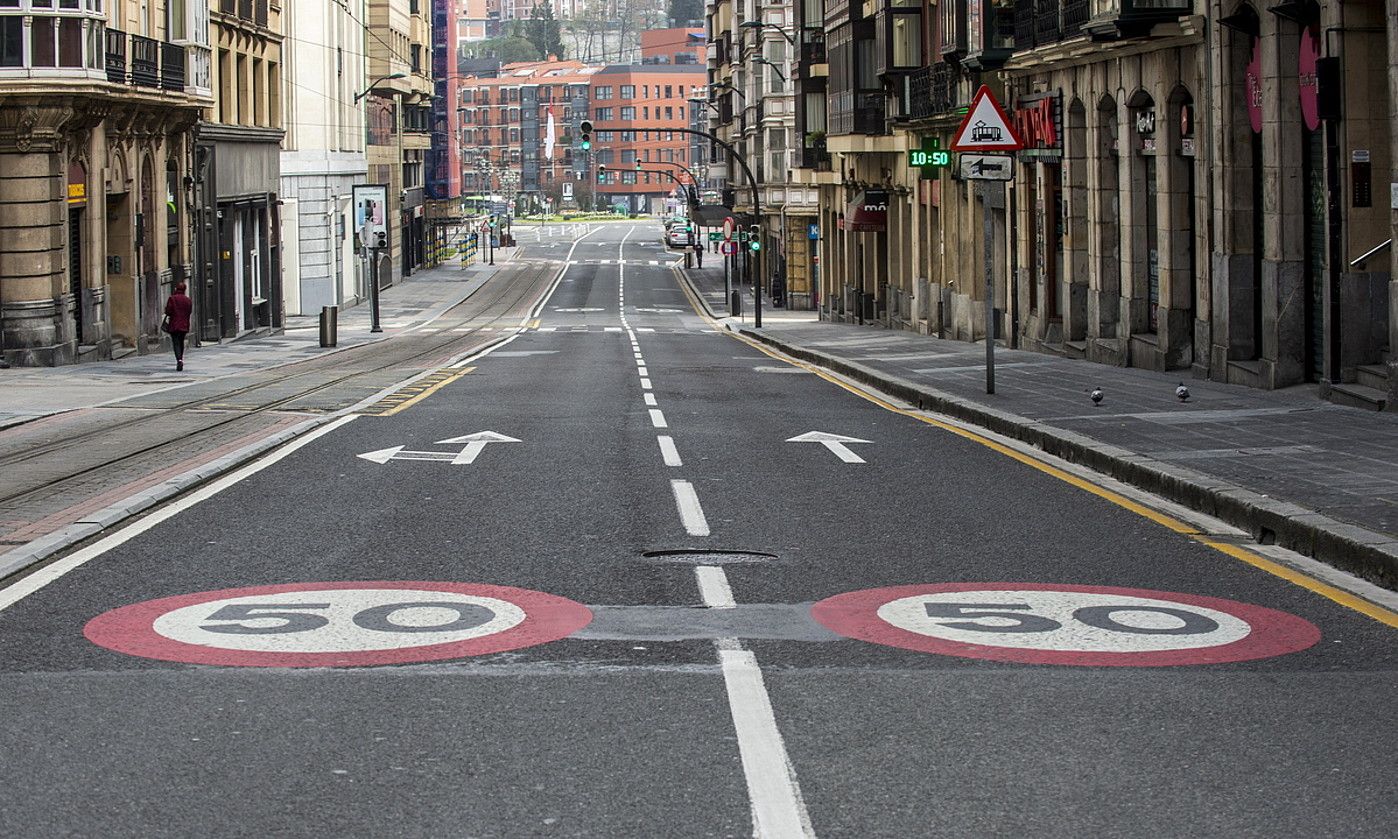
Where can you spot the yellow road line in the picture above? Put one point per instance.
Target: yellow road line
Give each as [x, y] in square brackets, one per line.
[1291, 575]
[409, 396]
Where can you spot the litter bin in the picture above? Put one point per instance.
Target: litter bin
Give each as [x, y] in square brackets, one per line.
[329, 325]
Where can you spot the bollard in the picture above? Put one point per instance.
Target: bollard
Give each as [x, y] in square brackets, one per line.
[329, 325]
[688, 259]
[736, 307]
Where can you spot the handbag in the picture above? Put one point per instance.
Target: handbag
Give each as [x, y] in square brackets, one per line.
[165, 324]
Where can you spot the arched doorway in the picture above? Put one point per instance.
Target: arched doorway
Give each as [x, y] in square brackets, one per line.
[1075, 153]
[1108, 212]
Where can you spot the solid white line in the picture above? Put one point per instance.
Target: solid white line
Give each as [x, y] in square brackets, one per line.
[714, 590]
[657, 419]
[650, 399]
[668, 451]
[691, 514]
[32, 583]
[777, 807]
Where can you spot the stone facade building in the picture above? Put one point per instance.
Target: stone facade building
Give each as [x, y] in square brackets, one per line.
[1202, 188]
[322, 155]
[97, 105]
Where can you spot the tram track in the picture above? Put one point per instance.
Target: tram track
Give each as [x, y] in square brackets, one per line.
[216, 414]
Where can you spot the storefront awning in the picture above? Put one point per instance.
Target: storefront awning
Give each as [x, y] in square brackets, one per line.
[868, 212]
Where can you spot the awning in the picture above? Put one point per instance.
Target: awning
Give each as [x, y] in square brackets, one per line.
[868, 213]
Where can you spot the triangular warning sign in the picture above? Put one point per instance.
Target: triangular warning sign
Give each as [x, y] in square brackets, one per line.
[986, 128]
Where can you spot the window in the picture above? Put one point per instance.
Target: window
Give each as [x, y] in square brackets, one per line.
[669, 92]
[627, 114]
[602, 92]
[605, 114]
[669, 112]
[645, 113]
[628, 177]
[628, 136]
[628, 91]
[605, 156]
[514, 135]
[628, 156]
[605, 136]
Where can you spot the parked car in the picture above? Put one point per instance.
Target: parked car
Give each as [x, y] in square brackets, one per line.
[677, 235]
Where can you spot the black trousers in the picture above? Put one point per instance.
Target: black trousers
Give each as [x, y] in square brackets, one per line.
[177, 340]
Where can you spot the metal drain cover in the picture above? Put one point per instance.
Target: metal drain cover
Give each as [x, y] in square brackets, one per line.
[708, 556]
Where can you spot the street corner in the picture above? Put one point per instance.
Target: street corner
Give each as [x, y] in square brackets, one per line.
[1063, 624]
[337, 624]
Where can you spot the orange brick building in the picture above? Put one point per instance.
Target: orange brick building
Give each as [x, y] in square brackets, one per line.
[636, 111]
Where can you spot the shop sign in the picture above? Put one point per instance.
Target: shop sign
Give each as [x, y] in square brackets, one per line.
[1145, 129]
[1039, 120]
[1254, 87]
[868, 213]
[1306, 80]
[77, 183]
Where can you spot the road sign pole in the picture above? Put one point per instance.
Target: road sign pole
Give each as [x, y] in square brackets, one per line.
[727, 279]
[989, 255]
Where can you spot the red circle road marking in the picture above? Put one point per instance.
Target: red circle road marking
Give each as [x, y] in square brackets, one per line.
[1270, 632]
[130, 629]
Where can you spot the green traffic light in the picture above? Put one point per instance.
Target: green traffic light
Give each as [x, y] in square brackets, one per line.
[586, 145]
[755, 245]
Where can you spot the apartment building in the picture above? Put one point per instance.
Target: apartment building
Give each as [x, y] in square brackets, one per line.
[97, 106]
[504, 129]
[751, 64]
[397, 101]
[323, 154]
[635, 110]
[1195, 195]
[237, 166]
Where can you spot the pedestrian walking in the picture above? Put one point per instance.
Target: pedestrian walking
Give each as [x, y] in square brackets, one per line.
[177, 310]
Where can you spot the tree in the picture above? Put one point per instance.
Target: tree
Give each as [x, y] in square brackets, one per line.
[684, 11]
[544, 31]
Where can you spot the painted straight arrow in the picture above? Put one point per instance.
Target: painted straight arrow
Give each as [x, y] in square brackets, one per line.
[834, 442]
[475, 444]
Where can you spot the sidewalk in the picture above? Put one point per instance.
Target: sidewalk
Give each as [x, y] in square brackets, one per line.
[1318, 478]
[33, 392]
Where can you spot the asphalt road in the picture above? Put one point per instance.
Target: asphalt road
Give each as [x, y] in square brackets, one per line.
[1094, 673]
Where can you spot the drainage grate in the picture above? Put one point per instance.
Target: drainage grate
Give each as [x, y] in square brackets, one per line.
[708, 556]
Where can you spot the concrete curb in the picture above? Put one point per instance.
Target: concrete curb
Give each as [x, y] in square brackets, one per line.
[96, 522]
[1371, 555]
[1366, 553]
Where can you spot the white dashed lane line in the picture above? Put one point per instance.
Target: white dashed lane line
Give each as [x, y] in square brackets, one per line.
[691, 514]
[668, 450]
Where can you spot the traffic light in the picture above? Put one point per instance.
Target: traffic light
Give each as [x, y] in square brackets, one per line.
[638, 166]
[585, 129]
[755, 238]
[601, 173]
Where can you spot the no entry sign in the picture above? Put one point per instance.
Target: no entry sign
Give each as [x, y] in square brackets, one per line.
[339, 624]
[1031, 623]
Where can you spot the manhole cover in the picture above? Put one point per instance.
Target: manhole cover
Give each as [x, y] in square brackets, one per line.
[708, 556]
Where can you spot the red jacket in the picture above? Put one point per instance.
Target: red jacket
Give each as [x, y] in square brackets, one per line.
[177, 309]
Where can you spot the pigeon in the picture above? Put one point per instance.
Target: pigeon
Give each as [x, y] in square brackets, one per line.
[1096, 396]
[1182, 392]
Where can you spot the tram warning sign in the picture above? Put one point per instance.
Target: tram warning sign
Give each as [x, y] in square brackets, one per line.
[1032, 623]
[337, 624]
[985, 127]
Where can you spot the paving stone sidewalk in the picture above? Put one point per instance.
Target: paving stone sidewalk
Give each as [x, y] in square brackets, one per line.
[1316, 477]
[27, 393]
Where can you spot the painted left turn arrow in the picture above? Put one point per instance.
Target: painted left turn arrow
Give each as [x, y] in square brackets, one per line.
[474, 445]
[834, 442]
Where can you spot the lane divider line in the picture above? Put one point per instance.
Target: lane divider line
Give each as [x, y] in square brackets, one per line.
[668, 451]
[691, 514]
[774, 795]
[657, 418]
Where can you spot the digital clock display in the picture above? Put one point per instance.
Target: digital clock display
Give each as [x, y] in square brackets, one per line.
[920, 158]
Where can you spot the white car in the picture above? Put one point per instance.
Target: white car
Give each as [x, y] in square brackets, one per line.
[677, 236]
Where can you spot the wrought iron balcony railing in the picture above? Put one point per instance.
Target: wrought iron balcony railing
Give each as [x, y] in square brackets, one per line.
[172, 67]
[116, 56]
[145, 61]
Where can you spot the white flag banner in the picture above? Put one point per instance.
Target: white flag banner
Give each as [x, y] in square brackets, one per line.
[550, 137]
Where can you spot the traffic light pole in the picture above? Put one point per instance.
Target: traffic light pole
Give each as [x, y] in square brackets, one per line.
[756, 213]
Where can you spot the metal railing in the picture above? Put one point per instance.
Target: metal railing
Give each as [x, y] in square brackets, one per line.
[813, 46]
[116, 56]
[932, 91]
[1047, 29]
[172, 67]
[145, 61]
[1075, 14]
[870, 114]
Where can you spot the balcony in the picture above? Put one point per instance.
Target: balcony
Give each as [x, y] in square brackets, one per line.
[813, 155]
[870, 114]
[932, 91]
[145, 61]
[812, 47]
[172, 67]
[116, 56]
[1075, 14]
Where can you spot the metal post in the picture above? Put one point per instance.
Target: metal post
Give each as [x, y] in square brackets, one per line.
[374, 291]
[989, 254]
[758, 274]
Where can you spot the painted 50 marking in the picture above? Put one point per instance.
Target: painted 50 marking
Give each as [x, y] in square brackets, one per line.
[337, 624]
[1065, 624]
